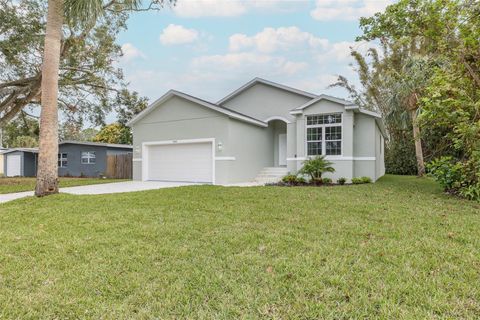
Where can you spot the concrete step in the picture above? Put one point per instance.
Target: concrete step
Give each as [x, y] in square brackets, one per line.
[271, 175]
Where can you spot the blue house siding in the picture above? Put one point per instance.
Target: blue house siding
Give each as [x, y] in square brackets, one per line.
[76, 168]
[30, 163]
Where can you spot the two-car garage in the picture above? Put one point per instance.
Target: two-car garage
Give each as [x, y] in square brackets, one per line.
[185, 161]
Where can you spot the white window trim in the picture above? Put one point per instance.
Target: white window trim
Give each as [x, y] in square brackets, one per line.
[323, 126]
[61, 159]
[88, 158]
[145, 146]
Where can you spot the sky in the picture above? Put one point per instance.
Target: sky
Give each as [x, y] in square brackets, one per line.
[208, 48]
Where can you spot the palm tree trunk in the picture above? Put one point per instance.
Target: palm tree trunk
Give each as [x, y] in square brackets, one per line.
[47, 174]
[418, 144]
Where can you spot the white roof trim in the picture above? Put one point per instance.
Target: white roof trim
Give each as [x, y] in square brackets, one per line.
[318, 98]
[364, 111]
[201, 102]
[277, 118]
[269, 83]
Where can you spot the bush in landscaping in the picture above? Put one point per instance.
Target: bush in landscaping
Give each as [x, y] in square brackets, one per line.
[290, 179]
[357, 180]
[341, 181]
[327, 181]
[366, 179]
[361, 180]
[301, 180]
[458, 177]
[315, 167]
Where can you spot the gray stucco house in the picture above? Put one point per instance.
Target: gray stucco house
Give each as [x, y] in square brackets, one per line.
[87, 159]
[262, 129]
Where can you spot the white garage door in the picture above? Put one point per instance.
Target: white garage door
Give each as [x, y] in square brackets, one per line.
[13, 165]
[188, 162]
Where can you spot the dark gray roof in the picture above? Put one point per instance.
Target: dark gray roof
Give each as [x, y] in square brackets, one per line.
[99, 144]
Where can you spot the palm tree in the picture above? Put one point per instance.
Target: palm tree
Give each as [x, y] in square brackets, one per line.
[76, 12]
[408, 86]
[392, 86]
[315, 167]
[47, 173]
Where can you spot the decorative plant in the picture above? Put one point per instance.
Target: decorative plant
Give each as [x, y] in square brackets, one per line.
[357, 180]
[327, 181]
[290, 179]
[341, 181]
[366, 179]
[315, 167]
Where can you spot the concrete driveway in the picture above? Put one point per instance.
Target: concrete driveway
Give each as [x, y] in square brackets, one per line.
[115, 187]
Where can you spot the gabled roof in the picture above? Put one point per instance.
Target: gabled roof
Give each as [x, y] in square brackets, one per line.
[318, 98]
[98, 144]
[211, 106]
[348, 106]
[31, 150]
[268, 83]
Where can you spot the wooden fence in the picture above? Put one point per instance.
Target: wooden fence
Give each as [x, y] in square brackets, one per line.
[119, 166]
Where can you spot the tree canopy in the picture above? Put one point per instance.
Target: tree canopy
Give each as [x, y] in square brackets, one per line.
[91, 84]
[430, 62]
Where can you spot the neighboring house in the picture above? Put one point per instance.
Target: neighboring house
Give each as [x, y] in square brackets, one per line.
[2, 169]
[20, 162]
[86, 159]
[261, 125]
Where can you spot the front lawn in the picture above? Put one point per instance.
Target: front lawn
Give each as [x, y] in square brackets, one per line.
[397, 249]
[10, 185]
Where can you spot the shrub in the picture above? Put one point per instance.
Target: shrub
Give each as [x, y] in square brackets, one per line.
[366, 179]
[357, 180]
[301, 180]
[290, 179]
[461, 178]
[447, 172]
[327, 181]
[315, 167]
[400, 155]
[341, 181]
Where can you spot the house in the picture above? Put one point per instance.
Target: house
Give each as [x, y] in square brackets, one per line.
[20, 162]
[75, 159]
[261, 130]
[87, 159]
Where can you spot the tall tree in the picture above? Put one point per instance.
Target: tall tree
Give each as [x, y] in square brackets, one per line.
[47, 173]
[78, 13]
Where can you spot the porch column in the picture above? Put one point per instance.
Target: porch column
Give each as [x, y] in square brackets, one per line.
[300, 138]
[291, 146]
[348, 136]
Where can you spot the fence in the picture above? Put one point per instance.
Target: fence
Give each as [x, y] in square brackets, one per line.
[119, 166]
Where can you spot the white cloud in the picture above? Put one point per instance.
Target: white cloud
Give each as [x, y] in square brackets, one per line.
[271, 40]
[233, 8]
[175, 34]
[209, 8]
[130, 52]
[327, 10]
[247, 62]
[340, 52]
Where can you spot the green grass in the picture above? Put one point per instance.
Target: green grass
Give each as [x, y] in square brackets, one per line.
[10, 185]
[396, 249]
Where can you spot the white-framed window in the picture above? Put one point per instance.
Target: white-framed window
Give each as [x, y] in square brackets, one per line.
[62, 160]
[88, 157]
[324, 134]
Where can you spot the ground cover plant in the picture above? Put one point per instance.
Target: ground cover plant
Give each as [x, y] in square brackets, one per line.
[396, 249]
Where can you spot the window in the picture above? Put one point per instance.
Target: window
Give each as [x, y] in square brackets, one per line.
[324, 134]
[62, 160]
[88, 157]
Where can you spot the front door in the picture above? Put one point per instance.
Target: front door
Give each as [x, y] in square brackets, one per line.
[282, 149]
